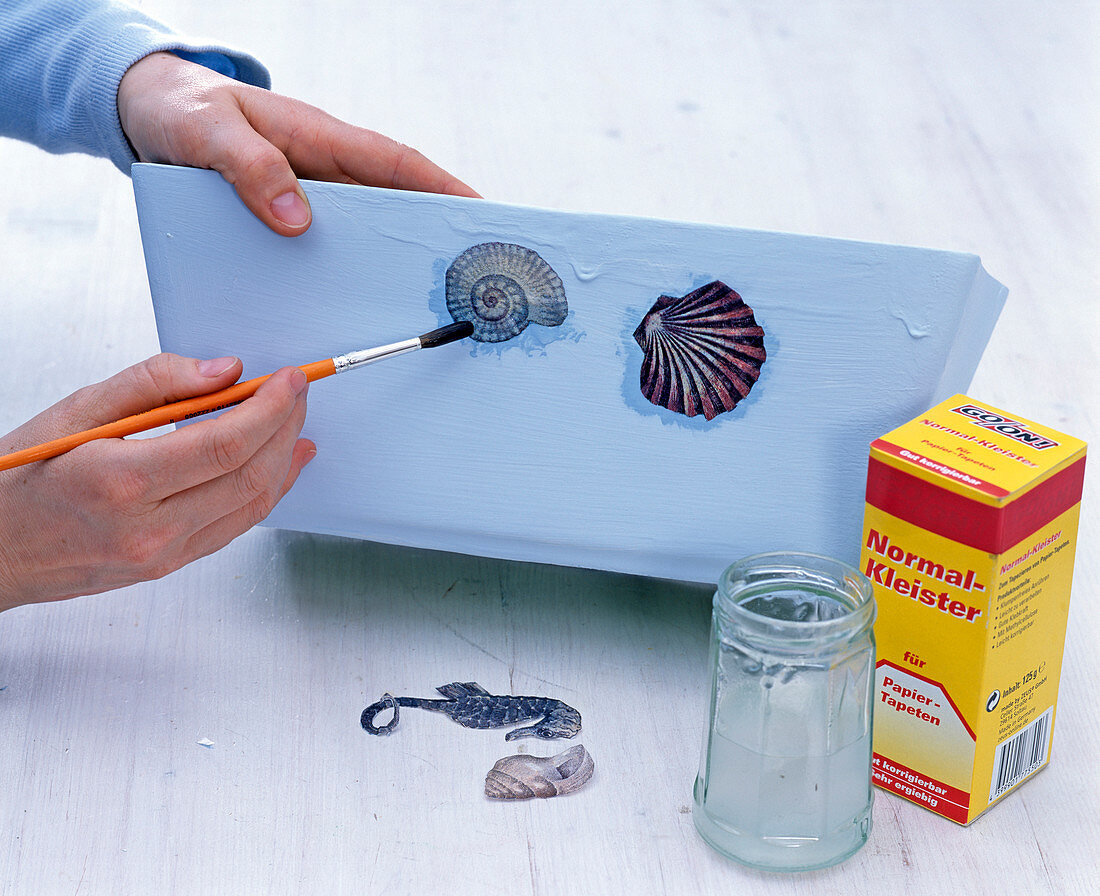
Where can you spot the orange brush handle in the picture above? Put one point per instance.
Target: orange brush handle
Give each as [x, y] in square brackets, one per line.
[162, 416]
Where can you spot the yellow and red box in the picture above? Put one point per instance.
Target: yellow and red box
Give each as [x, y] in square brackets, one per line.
[969, 535]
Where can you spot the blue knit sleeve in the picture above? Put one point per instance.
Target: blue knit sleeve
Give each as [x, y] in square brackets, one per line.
[61, 62]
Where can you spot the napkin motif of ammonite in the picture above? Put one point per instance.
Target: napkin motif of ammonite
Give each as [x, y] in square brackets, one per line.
[501, 288]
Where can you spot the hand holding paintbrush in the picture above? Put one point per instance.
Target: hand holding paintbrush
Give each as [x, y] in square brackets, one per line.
[118, 511]
[177, 412]
[114, 512]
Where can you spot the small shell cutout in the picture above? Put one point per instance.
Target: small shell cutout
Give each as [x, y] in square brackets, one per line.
[703, 351]
[501, 288]
[522, 777]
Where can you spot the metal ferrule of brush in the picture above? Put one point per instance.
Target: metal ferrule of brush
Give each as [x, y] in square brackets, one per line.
[351, 360]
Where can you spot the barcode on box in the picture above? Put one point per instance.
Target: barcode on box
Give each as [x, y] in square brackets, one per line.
[1020, 755]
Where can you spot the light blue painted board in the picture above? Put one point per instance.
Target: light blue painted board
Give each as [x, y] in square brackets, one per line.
[543, 448]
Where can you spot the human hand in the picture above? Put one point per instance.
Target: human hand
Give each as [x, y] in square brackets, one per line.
[114, 512]
[178, 112]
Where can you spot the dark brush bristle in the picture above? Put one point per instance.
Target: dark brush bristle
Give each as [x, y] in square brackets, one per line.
[450, 333]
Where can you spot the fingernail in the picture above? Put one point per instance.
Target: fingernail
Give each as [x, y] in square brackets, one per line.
[312, 453]
[215, 366]
[290, 209]
[298, 381]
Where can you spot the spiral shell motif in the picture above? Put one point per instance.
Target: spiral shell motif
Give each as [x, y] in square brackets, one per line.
[703, 351]
[501, 288]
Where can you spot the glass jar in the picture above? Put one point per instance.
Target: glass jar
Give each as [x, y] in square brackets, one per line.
[785, 778]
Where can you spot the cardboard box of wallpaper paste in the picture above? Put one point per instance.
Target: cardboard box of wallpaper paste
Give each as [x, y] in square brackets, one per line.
[969, 535]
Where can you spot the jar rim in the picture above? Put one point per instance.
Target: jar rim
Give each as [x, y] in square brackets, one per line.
[796, 569]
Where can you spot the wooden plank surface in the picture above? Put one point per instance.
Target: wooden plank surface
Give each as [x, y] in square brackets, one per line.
[543, 448]
[936, 124]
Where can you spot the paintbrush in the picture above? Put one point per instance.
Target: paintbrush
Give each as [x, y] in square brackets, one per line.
[226, 398]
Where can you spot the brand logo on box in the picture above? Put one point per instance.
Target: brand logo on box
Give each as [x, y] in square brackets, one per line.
[1006, 427]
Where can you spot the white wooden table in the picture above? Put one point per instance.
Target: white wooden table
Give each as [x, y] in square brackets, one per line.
[949, 124]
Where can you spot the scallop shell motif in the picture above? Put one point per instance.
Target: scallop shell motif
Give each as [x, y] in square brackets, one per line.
[703, 351]
[501, 288]
[522, 777]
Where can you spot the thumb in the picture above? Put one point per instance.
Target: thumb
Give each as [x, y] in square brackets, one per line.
[262, 177]
[154, 382]
[159, 380]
